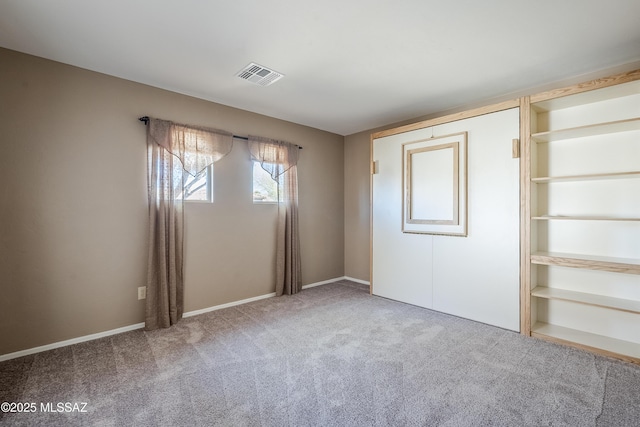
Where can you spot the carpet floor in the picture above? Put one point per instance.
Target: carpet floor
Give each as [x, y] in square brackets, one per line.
[329, 356]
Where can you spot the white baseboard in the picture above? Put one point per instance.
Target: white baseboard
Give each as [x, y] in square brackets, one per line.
[244, 301]
[91, 337]
[351, 279]
[324, 282]
[362, 282]
[227, 305]
[72, 341]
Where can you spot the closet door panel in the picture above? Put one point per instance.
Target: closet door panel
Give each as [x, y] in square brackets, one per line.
[477, 277]
[402, 262]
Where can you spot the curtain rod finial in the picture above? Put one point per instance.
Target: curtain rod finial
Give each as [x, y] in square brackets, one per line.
[144, 119]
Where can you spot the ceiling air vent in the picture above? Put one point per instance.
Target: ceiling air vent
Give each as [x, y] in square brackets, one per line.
[259, 75]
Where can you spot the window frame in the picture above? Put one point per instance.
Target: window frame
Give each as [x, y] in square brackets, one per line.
[256, 164]
[209, 185]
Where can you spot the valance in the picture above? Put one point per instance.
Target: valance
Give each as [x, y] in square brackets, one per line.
[275, 157]
[197, 147]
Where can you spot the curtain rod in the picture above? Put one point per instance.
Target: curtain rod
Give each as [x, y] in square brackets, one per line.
[145, 120]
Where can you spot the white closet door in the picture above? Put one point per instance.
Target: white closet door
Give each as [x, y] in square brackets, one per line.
[477, 276]
[402, 263]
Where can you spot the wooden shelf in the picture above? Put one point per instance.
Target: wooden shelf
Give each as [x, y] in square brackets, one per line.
[608, 346]
[581, 218]
[587, 177]
[631, 306]
[614, 265]
[589, 130]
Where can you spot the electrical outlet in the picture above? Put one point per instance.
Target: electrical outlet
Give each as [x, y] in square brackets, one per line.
[142, 292]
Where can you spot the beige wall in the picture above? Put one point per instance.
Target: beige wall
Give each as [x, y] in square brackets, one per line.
[73, 210]
[357, 206]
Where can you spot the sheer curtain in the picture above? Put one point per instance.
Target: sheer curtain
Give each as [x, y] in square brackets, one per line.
[280, 160]
[173, 151]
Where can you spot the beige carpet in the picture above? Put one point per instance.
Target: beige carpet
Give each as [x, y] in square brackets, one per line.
[330, 356]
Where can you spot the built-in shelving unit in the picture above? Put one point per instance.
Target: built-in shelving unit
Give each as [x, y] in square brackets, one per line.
[581, 209]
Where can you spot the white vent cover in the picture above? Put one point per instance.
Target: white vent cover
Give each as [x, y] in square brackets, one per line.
[259, 75]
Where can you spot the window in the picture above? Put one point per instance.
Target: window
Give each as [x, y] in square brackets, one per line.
[265, 188]
[198, 188]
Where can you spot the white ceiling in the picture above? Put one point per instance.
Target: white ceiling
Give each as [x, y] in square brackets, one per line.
[349, 65]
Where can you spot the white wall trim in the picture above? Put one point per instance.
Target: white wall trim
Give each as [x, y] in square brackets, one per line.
[91, 337]
[244, 301]
[70, 342]
[324, 282]
[227, 305]
[337, 279]
[362, 282]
